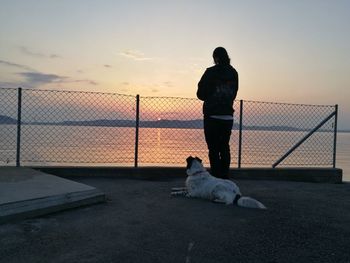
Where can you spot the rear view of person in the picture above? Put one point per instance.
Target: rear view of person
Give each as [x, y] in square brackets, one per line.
[218, 89]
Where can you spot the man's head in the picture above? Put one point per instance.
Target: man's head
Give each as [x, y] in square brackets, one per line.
[220, 56]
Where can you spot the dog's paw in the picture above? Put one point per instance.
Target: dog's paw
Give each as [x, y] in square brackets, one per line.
[176, 189]
[179, 193]
[219, 201]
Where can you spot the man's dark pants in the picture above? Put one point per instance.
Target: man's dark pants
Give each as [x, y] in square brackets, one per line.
[217, 135]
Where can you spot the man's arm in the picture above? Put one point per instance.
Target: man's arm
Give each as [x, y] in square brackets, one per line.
[203, 86]
[236, 85]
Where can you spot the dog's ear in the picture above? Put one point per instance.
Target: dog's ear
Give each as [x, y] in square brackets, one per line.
[189, 161]
[198, 159]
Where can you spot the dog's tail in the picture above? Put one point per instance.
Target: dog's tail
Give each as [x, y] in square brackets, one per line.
[246, 201]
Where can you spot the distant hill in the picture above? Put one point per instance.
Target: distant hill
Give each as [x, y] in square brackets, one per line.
[101, 122]
[174, 124]
[7, 120]
[191, 124]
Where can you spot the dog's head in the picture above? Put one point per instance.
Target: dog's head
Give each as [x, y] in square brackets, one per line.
[194, 165]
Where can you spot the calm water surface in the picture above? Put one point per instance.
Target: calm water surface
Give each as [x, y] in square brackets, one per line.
[111, 146]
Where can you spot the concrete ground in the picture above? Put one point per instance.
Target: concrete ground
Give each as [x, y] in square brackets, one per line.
[140, 222]
[26, 193]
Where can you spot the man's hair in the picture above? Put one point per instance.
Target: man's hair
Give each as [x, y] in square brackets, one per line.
[220, 56]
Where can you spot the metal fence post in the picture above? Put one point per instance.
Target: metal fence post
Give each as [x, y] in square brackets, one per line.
[137, 130]
[19, 116]
[335, 135]
[240, 133]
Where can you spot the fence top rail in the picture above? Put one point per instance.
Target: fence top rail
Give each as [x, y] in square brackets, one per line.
[169, 97]
[70, 91]
[288, 103]
[2, 88]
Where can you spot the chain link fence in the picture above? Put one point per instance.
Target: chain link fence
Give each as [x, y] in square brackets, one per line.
[105, 129]
[70, 128]
[8, 125]
[270, 130]
[170, 131]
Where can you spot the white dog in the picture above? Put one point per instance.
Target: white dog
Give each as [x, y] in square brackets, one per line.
[201, 184]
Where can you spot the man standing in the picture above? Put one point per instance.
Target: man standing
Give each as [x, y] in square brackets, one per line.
[218, 89]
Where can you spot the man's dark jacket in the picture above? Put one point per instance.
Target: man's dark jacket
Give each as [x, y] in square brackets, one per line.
[218, 89]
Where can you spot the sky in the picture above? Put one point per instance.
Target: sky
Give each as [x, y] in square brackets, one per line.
[294, 51]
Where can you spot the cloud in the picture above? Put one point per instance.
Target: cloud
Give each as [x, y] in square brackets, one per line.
[88, 81]
[54, 56]
[33, 80]
[15, 65]
[36, 79]
[27, 51]
[6, 85]
[135, 55]
[168, 84]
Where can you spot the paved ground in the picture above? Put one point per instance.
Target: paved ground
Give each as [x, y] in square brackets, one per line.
[305, 222]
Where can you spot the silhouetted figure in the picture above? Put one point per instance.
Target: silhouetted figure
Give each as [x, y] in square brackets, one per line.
[218, 88]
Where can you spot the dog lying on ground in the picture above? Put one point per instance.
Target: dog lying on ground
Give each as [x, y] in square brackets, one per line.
[201, 184]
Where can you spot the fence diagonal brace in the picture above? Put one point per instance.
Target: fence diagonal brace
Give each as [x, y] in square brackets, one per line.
[304, 139]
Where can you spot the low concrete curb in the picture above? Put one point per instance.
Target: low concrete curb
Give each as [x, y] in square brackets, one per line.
[28, 193]
[319, 175]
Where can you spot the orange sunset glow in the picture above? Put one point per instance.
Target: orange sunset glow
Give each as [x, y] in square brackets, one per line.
[284, 51]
